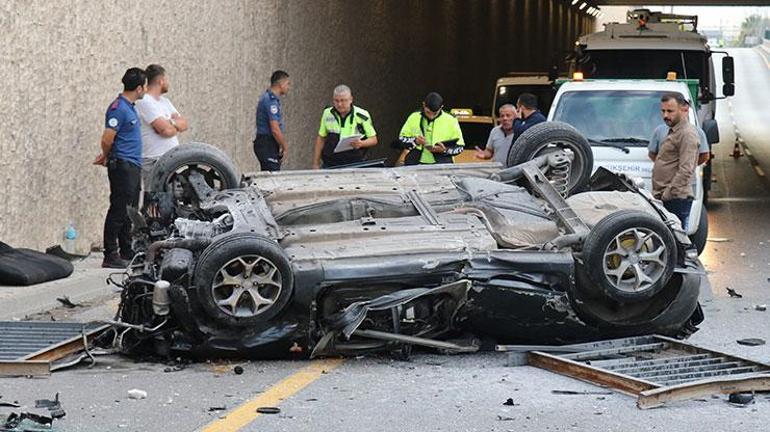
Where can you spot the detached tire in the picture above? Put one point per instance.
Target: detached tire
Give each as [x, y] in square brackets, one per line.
[548, 137]
[629, 257]
[174, 167]
[243, 279]
[700, 236]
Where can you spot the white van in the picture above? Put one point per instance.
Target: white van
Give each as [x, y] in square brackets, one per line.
[618, 118]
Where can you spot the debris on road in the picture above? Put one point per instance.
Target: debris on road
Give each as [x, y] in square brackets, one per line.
[718, 239]
[584, 392]
[137, 394]
[268, 410]
[510, 402]
[733, 293]
[66, 302]
[53, 406]
[751, 342]
[741, 398]
[218, 408]
[658, 369]
[238, 370]
[760, 307]
[34, 348]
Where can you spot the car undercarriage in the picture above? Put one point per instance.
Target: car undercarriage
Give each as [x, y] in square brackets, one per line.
[450, 257]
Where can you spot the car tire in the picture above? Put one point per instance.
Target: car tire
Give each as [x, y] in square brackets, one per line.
[700, 236]
[628, 256]
[220, 172]
[543, 138]
[243, 279]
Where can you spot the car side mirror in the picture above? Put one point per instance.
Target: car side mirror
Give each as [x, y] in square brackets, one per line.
[711, 129]
[728, 71]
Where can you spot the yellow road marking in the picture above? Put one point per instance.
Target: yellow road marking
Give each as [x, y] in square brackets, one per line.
[759, 170]
[247, 412]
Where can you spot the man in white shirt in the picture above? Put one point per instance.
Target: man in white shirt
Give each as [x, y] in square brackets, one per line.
[501, 137]
[161, 122]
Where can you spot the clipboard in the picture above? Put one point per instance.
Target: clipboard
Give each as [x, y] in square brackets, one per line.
[346, 143]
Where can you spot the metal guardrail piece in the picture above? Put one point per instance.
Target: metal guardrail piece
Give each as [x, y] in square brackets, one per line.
[28, 347]
[657, 369]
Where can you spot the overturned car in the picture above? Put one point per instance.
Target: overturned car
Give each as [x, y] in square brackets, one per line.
[307, 263]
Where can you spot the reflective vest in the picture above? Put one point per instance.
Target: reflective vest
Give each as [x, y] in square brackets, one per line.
[444, 128]
[333, 126]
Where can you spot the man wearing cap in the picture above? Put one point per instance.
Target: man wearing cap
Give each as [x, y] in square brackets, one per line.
[270, 145]
[121, 146]
[341, 120]
[674, 167]
[431, 135]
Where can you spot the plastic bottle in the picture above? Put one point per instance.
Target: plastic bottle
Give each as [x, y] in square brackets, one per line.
[70, 235]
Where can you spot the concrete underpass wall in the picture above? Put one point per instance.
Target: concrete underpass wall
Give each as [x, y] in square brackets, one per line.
[61, 63]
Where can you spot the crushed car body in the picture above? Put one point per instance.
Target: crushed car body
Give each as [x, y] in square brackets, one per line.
[341, 262]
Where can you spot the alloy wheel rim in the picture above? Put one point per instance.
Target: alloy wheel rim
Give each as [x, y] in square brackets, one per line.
[635, 260]
[247, 286]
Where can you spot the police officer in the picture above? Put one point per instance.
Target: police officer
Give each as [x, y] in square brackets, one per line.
[270, 143]
[341, 120]
[431, 135]
[122, 155]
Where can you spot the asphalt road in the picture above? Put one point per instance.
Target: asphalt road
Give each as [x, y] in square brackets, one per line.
[464, 392]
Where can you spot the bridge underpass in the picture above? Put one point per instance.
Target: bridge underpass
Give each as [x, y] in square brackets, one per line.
[62, 73]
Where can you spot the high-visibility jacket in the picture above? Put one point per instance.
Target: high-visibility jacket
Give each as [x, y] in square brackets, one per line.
[444, 129]
[334, 126]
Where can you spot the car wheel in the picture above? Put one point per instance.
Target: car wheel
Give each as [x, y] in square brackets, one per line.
[549, 137]
[243, 279]
[629, 256]
[172, 171]
[700, 236]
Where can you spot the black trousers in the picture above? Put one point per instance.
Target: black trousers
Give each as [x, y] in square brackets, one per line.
[266, 149]
[125, 184]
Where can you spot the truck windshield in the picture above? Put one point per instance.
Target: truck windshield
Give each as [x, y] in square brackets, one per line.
[475, 134]
[626, 117]
[644, 64]
[509, 94]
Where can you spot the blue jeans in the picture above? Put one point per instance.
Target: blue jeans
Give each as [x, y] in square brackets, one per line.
[680, 207]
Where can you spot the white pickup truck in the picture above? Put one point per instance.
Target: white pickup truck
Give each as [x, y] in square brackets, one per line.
[618, 118]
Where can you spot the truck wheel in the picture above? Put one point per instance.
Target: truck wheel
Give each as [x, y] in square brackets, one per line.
[243, 279]
[629, 256]
[552, 136]
[700, 236]
[171, 172]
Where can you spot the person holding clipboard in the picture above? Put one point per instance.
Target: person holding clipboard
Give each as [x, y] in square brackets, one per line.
[345, 132]
[431, 135]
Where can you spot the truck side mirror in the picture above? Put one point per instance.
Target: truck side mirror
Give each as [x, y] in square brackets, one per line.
[728, 89]
[711, 129]
[728, 71]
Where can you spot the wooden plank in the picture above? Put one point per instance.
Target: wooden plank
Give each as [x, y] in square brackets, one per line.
[65, 348]
[588, 373]
[25, 368]
[724, 385]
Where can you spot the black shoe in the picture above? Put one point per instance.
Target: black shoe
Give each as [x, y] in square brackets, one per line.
[128, 255]
[114, 261]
